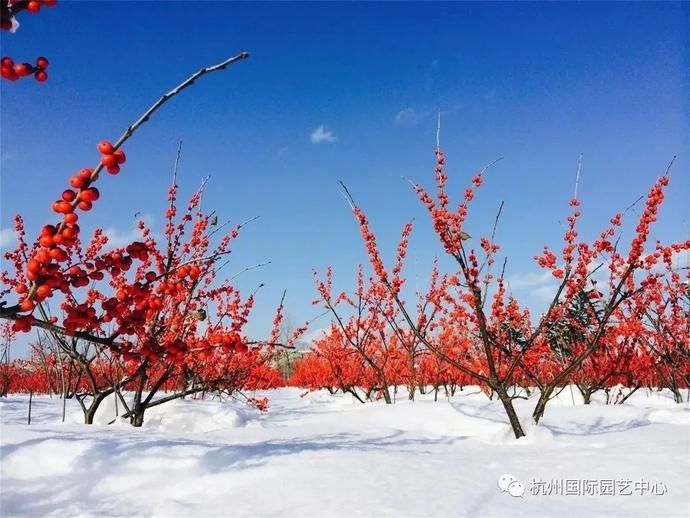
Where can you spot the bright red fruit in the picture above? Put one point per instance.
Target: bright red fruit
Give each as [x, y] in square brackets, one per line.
[120, 157]
[91, 194]
[23, 69]
[9, 73]
[105, 148]
[108, 160]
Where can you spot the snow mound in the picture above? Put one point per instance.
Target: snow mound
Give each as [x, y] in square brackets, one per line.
[679, 416]
[194, 416]
[52, 457]
[179, 416]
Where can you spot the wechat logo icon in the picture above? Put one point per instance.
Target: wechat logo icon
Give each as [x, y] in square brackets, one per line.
[507, 483]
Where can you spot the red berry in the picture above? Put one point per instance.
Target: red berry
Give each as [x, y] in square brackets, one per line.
[41, 76]
[85, 174]
[120, 157]
[113, 169]
[33, 266]
[43, 256]
[48, 230]
[27, 305]
[43, 291]
[85, 205]
[69, 233]
[7, 62]
[58, 254]
[62, 206]
[91, 194]
[41, 62]
[49, 3]
[76, 181]
[34, 6]
[108, 160]
[9, 73]
[23, 69]
[105, 148]
[68, 195]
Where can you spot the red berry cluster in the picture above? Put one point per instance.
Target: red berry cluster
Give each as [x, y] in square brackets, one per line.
[654, 200]
[35, 5]
[112, 158]
[12, 71]
[55, 241]
[11, 8]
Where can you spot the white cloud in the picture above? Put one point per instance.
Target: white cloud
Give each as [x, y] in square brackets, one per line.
[409, 116]
[118, 238]
[312, 336]
[538, 287]
[321, 134]
[544, 293]
[529, 280]
[7, 238]
[679, 261]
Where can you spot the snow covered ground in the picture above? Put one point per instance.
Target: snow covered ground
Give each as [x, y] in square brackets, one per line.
[323, 456]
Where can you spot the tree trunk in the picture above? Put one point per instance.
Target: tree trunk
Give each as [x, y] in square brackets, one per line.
[90, 412]
[586, 394]
[354, 394]
[632, 391]
[510, 411]
[137, 417]
[386, 395]
[677, 396]
[541, 404]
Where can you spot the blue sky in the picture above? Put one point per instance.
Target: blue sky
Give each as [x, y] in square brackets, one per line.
[534, 83]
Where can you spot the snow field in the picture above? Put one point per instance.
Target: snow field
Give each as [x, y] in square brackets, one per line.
[323, 455]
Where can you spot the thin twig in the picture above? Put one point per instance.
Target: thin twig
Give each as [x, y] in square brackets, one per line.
[254, 267]
[577, 176]
[347, 195]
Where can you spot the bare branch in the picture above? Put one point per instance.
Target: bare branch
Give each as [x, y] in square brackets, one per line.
[577, 176]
